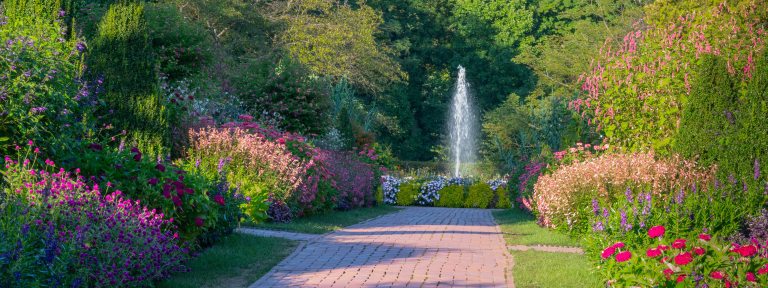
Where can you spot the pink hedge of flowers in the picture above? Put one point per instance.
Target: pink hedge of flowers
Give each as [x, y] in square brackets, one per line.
[555, 194]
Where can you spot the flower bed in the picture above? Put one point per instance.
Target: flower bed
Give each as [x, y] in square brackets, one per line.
[445, 192]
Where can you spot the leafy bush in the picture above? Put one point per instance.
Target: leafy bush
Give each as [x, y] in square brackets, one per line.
[451, 196]
[479, 195]
[42, 94]
[559, 196]
[56, 230]
[408, 193]
[122, 54]
[353, 179]
[430, 191]
[502, 201]
[723, 123]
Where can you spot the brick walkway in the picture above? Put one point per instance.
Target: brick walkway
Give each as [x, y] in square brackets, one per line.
[416, 247]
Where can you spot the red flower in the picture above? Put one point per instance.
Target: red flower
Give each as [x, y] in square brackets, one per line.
[653, 252]
[717, 275]
[137, 157]
[751, 277]
[747, 251]
[160, 167]
[199, 221]
[680, 278]
[623, 256]
[608, 252]
[683, 258]
[668, 272]
[763, 270]
[218, 199]
[176, 201]
[705, 237]
[656, 231]
[663, 247]
[618, 245]
[679, 244]
[152, 181]
[699, 250]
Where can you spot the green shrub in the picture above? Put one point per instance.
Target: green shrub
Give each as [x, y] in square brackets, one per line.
[183, 47]
[479, 196]
[724, 120]
[408, 193]
[451, 196]
[380, 195]
[502, 198]
[122, 54]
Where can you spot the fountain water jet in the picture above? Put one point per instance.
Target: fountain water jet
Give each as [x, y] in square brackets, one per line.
[462, 123]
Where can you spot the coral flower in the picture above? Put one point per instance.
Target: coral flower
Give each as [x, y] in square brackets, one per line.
[656, 231]
[623, 256]
[683, 258]
[747, 251]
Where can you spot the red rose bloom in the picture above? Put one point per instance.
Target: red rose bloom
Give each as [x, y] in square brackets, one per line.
[663, 247]
[705, 237]
[683, 258]
[623, 256]
[680, 278]
[656, 231]
[747, 251]
[679, 244]
[717, 275]
[653, 252]
[699, 250]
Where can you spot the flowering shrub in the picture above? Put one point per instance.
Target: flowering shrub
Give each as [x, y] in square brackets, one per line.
[635, 90]
[557, 195]
[257, 165]
[188, 198]
[56, 230]
[429, 192]
[353, 179]
[531, 173]
[698, 261]
[390, 185]
[501, 199]
[41, 92]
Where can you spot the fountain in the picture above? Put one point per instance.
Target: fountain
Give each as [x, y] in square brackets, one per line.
[461, 124]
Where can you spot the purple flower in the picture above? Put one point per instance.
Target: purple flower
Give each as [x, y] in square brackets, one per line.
[38, 110]
[62, 13]
[757, 169]
[595, 207]
[598, 226]
[605, 213]
[80, 46]
[624, 225]
[679, 197]
[628, 194]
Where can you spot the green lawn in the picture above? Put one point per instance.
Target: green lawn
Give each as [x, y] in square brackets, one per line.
[328, 222]
[237, 261]
[535, 269]
[520, 228]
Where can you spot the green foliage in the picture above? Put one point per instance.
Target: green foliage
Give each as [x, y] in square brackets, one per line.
[336, 39]
[479, 195]
[123, 55]
[293, 100]
[724, 120]
[408, 193]
[502, 198]
[451, 196]
[40, 93]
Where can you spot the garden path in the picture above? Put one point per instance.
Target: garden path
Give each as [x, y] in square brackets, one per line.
[415, 247]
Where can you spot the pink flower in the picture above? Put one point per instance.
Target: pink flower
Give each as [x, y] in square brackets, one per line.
[751, 277]
[199, 221]
[705, 237]
[680, 278]
[623, 256]
[679, 244]
[683, 258]
[699, 250]
[30, 143]
[656, 231]
[668, 273]
[747, 251]
[218, 199]
[653, 252]
[152, 181]
[137, 157]
[160, 167]
[717, 275]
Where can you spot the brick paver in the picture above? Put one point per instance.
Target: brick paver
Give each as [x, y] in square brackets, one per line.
[416, 247]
